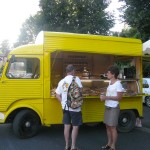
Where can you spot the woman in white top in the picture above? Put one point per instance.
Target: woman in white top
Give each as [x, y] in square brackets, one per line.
[112, 109]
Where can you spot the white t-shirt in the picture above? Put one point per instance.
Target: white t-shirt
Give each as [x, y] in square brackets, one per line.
[62, 90]
[112, 91]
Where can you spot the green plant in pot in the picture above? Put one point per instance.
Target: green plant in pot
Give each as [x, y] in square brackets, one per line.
[133, 71]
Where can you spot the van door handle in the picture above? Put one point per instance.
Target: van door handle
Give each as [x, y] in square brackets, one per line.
[3, 81]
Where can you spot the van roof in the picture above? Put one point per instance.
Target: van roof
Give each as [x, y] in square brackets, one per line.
[28, 50]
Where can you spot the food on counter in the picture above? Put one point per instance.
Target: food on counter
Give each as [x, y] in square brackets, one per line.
[92, 91]
[129, 93]
[86, 91]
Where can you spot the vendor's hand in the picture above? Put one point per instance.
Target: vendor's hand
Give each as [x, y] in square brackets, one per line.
[102, 97]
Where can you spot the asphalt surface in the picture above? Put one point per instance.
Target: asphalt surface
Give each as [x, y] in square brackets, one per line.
[90, 138]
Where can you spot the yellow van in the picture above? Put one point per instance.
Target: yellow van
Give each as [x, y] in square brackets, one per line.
[32, 72]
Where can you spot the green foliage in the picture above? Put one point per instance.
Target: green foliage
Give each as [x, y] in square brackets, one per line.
[77, 16]
[137, 15]
[146, 69]
[131, 33]
[122, 64]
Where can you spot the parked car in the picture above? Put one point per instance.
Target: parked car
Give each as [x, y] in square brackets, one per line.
[146, 90]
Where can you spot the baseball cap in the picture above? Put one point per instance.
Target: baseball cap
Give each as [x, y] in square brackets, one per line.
[70, 68]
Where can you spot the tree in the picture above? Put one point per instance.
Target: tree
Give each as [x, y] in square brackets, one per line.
[137, 15]
[146, 69]
[130, 33]
[28, 31]
[5, 47]
[77, 16]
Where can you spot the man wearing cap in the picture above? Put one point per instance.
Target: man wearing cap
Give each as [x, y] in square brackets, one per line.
[70, 116]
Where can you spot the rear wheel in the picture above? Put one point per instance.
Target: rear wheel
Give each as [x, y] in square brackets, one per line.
[147, 101]
[26, 124]
[126, 122]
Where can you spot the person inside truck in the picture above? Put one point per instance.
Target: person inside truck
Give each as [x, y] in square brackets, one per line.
[70, 116]
[113, 96]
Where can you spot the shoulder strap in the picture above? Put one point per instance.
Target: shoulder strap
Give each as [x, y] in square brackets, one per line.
[74, 77]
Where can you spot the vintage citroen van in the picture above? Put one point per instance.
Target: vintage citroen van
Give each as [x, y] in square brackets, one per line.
[32, 72]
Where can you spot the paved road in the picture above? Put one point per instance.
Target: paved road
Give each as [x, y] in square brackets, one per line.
[90, 138]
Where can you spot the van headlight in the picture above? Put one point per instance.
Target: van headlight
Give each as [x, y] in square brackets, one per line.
[1, 116]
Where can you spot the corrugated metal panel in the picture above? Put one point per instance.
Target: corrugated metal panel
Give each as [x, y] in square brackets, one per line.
[14, 90]
[92, 110]
[92, 44]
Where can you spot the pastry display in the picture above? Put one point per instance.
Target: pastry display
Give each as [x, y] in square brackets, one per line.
[129, 93]
[92, 91]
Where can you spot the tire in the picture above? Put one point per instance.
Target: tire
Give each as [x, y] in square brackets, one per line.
[147, 101]
[126, 122]
[26, 124]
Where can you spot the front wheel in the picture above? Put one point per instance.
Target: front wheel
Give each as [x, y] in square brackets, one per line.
[26, 124]
[126, 122]
[147, 101]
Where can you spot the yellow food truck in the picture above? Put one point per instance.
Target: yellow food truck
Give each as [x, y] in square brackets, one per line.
[32, 72]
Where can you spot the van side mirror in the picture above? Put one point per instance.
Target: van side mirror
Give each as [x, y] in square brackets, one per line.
[145, 86]
[12, 59]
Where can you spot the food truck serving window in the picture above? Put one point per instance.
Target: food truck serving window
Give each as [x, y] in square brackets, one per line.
[27, 68]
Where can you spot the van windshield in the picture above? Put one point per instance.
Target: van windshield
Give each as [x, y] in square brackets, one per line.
[24, 68]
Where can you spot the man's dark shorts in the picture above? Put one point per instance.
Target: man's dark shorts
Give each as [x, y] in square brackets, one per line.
[71, 117]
